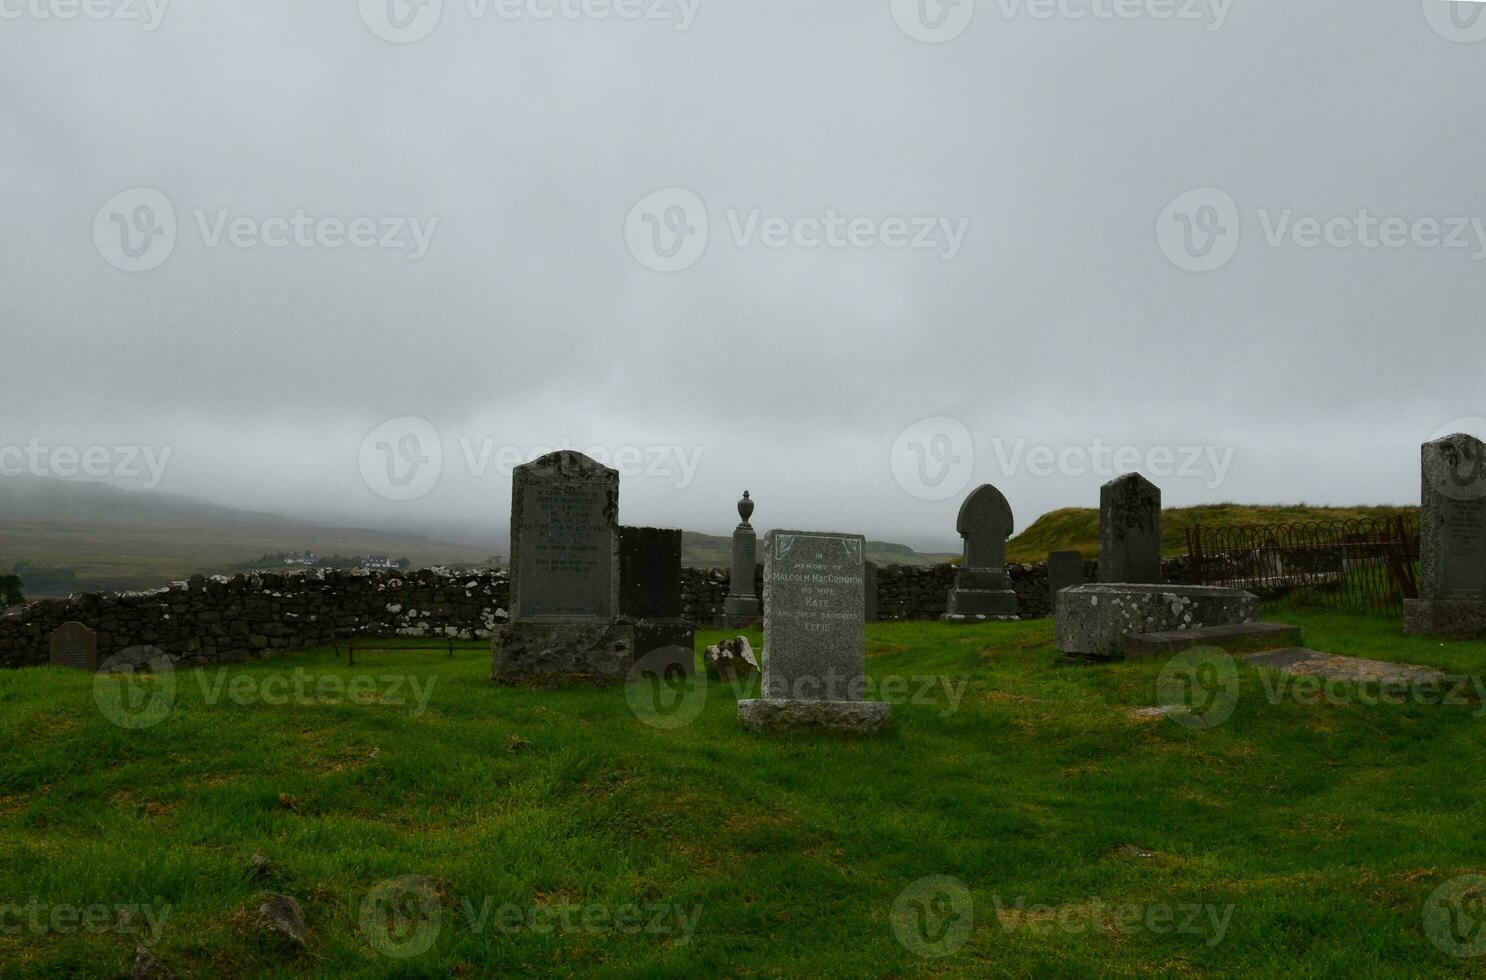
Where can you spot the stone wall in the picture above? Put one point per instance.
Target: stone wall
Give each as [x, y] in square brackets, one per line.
[256, 615]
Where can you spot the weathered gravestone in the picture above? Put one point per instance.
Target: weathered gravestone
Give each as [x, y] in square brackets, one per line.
[567, 619]
[815, 660]
[1065, 569]
[74, 645]
[1130, 530]
[869, 591]
[1452, 541]
[982, 589]
[742, 607]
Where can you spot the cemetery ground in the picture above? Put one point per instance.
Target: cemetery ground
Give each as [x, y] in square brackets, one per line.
[556, 832]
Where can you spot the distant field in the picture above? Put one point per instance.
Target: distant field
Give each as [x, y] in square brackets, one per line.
[1077, 528]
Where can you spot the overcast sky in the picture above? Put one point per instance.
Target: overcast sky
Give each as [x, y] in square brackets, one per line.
[999, 268]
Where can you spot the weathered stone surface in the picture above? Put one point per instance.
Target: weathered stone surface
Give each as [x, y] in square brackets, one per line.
[1093, 620]
[1452, 540]
[1065, 569]
[564, 539]
[546, 653]
[815, 634]
[1231, 638]
[850, 717]
[74, 645]
[732, 660]
[982, 589]
[1130, 530]
[1309, 663]
[650, 572]
[282, 915]
[148, 967]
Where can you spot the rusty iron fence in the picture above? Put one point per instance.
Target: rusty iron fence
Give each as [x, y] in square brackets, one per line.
[1367, 565]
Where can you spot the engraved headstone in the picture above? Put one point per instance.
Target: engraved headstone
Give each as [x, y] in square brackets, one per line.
[741, 607]
[1130, 531]
[564, 539]
[1065, 569]
[815, 664]
[1452, 540]
[74, 645]
[982, 589]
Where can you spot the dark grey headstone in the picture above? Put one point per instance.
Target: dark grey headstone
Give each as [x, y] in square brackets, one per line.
[1452, 545]
[982, 588]
[815, 640]
[74, 645]
[1065, 569]
[650, 572]
[869, 588]
[741, 606]
[564, 540]
[1130, 531]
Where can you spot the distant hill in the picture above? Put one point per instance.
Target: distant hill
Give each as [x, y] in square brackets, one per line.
[119, 539]
[1077, 528]
[715, 551]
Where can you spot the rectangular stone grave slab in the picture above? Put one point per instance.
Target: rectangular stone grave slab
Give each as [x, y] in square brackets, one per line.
[815, 640]
[1094, 620]
[1236, 638]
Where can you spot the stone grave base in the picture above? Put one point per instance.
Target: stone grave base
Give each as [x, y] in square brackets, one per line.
[1093, 620]
[1458, 618]
[742, 611]
[544, 654]
[852, 717]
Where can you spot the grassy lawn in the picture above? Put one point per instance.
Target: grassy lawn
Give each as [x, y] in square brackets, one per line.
[1296, 838]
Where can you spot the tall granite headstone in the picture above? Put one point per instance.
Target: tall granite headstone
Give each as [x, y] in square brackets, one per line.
[567, 617]
[741, 607]
[74, 645]
[815, 661]
[1065, 569]
[982, 589]
[1452, 540]
[1130, 531]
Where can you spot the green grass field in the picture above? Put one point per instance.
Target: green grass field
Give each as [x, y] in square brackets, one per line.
[565, 833]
